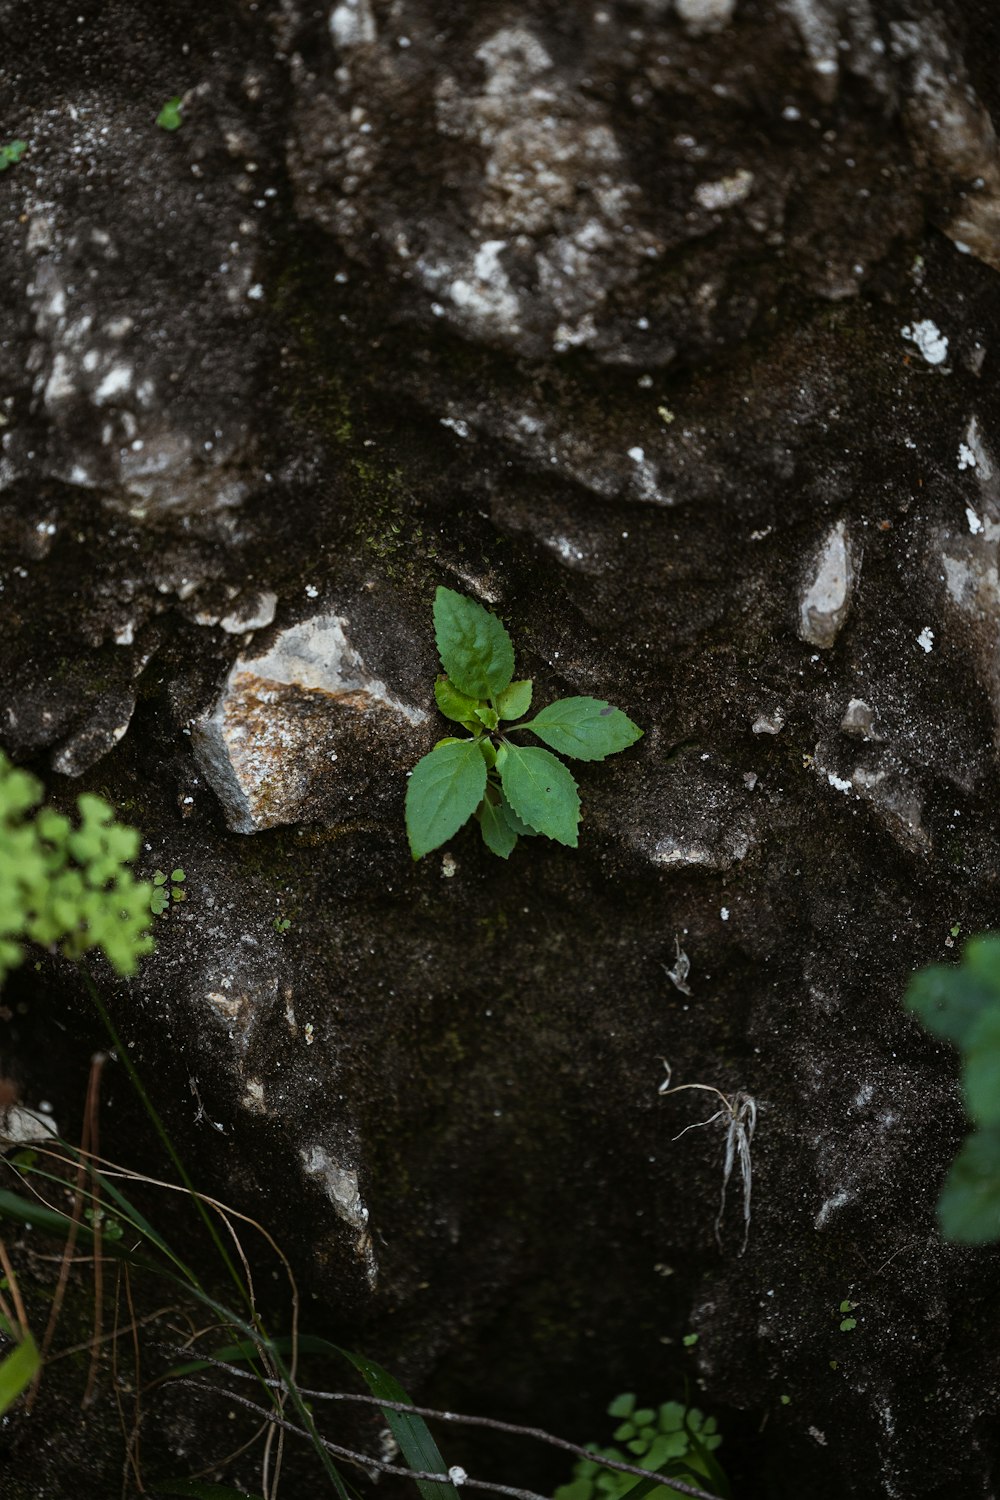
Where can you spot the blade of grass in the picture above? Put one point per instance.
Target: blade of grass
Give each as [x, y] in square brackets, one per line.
[411, 1433]
[18, 1370]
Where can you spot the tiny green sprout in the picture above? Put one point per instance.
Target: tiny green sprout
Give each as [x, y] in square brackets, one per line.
[98, 1219]
[955, 930]
[848, 1325]
[282, 924]
[785, 1400]
[689, 1340]
[163, 893]
[512, 790]
[11, 154]
[169, 117]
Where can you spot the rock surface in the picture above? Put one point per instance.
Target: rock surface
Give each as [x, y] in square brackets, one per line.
[667, 331]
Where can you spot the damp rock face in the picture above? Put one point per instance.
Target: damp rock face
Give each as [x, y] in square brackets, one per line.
[666, 332]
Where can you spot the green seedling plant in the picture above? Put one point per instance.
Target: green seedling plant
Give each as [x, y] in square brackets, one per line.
[165, 891]
[66, 885]
[961, 1004]
[11, 154]
[672, 1441]
[512, 790]
[170, 117]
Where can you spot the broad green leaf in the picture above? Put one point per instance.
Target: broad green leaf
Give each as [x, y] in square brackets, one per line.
[497, 832]
[17, 1371]
[453, 704]
[541, 791]
[950, 999]
[475, 649]
[969, 1206]
[411, 1432]
[514, 701]
[981, 1077]
[586, 728]
[445, 789]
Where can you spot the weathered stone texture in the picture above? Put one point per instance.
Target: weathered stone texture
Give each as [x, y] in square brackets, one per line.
[668, 331]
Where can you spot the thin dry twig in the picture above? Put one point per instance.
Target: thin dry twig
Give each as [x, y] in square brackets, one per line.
[494, 1424]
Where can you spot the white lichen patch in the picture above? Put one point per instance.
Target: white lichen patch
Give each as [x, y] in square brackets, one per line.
[703, 16]
[932, 345]
[825, 601]
[340, 1184]
[974, 521]
[925, 640]
[725, 192]
[352, 24]
[253, 1096]
[966, 457]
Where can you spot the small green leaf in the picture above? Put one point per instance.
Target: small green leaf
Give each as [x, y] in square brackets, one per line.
[11, 154]
[541, 791]
[515, 700]
[488, 751]
[497, 832]
[847, 1305]
[475, 649]
[487, 717]
[785, 1400]
[955, 930]
[848, 1325]
[689, 1340]
[177, 875]
[453, 704]
[622, 1406]
[169, 117]
[586, 728]
[969, 1206]
[159, 878]
[445, 789]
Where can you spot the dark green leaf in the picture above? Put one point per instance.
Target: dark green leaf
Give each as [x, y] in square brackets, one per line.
[517, 825]
[488, 751]
[453, 704]
[969, 1207]
[981, 1077]
[949, 999]
[586, 728]
[445, 789]
[411, 1433]
[514, 701]
[497, 832]
[475, 649]
[541, 791]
